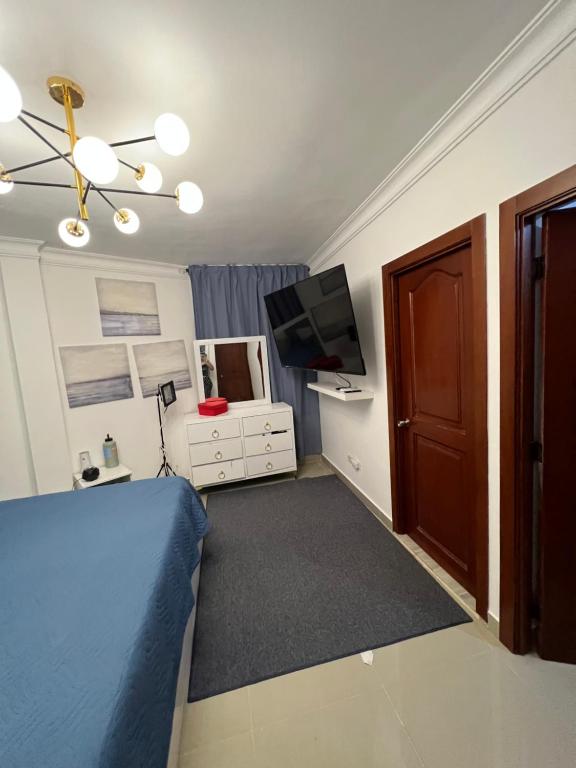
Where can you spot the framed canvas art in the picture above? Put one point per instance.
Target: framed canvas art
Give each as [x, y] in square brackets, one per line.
[96, 373]
[127, 307]
[159, 362]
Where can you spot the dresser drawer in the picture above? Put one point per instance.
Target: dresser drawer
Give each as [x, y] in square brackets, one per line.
[271, 422]
[219, 450]
[260, 444]
[213, 430]
[275, 462]
[210, 474]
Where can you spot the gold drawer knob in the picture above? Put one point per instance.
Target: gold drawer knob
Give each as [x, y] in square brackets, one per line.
[221, 475]
[269, 465]
[215, 434]
[268, 447]
[218, 455]
[268, 426]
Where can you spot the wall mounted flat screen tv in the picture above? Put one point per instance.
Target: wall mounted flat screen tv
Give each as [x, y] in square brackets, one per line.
[313, 324]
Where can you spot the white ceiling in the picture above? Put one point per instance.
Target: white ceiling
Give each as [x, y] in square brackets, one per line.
[297, 109]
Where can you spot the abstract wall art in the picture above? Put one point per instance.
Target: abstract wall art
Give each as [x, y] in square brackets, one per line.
[159, 362]
[96, 373]
[127, 307]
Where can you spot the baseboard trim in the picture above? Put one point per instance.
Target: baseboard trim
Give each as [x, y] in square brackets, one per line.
[368, 503]
[493, 625]
[310, 458]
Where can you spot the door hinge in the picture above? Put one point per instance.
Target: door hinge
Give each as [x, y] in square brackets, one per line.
[539, 268]
[535, 449]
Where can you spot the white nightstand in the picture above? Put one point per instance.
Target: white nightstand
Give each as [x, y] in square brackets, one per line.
[119, 474]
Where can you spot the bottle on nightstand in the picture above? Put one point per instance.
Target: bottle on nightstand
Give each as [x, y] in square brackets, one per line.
[110, 450]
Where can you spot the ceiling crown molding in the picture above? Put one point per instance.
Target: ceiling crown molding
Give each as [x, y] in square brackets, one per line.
[20, 248]
[60, 257]
[544, 38]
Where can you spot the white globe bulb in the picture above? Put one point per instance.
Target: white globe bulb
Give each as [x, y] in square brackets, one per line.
[127, 221]
[6, 183]
[148, 178]
[10, 98]
[172, 134]
[95, 160]
[74, 232]
[189, 197]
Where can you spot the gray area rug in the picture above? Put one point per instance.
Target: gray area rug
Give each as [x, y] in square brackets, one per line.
[300, 573]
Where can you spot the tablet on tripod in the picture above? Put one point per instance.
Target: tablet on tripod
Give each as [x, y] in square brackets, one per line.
[166, 393]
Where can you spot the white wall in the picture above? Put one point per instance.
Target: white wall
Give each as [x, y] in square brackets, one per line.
[16, 469]
[454, 176]
[41, 423]
[49, 300]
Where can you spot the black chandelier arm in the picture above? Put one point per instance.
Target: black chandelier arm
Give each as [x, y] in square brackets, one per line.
[100, 189]
[38, 162]
[44, 184]
[65, 155]
[138, 192]
[103, 196]
[45, 140]
[133, 167]
[43, 120]
[88, 188]
[132, 141]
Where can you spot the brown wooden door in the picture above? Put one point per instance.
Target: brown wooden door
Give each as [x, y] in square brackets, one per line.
[436, 394]
[556, 638]
[233, 372]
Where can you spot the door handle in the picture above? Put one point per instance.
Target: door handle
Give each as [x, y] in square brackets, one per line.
[403, 423]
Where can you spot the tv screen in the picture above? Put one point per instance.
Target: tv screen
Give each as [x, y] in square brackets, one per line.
[313, 324]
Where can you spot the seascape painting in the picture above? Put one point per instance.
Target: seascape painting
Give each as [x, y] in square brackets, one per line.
[159, 362]
[96, 374]
[127, 308]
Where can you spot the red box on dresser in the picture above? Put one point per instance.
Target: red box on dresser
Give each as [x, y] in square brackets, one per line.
[213, 406]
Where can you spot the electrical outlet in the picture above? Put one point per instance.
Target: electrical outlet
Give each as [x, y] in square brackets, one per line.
[355, 463]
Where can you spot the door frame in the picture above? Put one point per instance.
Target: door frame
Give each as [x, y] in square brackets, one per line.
[516, 402]
[472, 233]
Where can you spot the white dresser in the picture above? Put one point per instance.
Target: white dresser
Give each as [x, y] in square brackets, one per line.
[243, 443]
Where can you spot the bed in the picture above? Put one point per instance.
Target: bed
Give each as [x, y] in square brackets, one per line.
[96, 623]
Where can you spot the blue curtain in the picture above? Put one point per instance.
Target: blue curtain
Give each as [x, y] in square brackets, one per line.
[228, 301]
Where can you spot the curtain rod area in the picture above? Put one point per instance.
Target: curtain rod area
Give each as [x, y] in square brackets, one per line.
[290, 264]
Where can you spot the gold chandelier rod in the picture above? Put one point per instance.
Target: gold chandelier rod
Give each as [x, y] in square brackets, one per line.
[71, 96]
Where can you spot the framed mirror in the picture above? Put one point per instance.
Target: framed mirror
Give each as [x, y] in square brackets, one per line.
[236, 369]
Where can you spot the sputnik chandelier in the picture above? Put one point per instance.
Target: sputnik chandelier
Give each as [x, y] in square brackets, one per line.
[93, 163]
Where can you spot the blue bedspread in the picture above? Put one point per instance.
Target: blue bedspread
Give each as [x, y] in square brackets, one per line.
[94, 597]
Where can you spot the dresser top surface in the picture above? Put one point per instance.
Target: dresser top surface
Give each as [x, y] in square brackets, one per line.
[238, 413]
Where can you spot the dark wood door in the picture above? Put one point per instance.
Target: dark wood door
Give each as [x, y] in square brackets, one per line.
[436, 410]
[556, 637]
[233, 372]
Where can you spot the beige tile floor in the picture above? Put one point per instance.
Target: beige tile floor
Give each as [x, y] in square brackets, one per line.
[451, 699]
